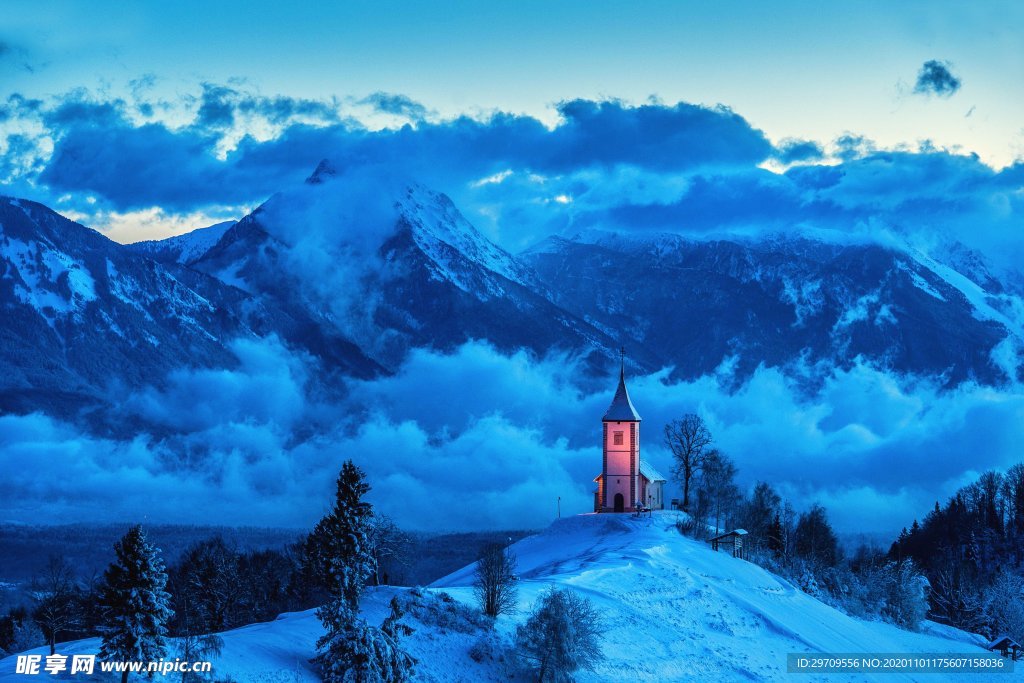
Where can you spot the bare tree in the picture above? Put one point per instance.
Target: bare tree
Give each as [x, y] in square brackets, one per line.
[688, 439]
[562, 636]
[717, 483]
[389, 545]
[495, 581]
[787, 523]
[56, 595]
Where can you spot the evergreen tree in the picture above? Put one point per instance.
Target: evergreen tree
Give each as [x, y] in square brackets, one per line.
[339, 552]
[352, 651]
[760, 515]
[815, 540]
[134, 604]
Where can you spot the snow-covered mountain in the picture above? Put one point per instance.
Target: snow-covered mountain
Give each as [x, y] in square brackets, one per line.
[185, 248]
[86, 318]
[793, 302]
[674, 611]
[81, 313]
[355, 273]
[398, 270]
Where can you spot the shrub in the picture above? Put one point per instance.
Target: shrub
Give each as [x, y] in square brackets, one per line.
[562, 635]
[444, 612]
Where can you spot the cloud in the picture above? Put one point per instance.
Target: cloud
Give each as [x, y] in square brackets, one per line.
[216, 110]
[396, 105]
[240, 147]
[792, 150]
[604, 164]
[488, 440]
[935, 78]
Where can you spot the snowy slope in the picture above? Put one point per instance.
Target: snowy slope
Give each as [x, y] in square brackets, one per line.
[676, 612]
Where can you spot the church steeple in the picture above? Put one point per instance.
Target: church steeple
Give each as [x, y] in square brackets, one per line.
[621, 409]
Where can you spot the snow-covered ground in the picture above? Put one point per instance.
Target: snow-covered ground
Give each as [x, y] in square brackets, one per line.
[675, 611]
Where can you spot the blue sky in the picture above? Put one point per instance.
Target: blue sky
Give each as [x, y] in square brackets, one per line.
[794, 71]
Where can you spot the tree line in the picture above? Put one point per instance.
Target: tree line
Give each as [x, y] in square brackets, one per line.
[972, 551]
[798, 545]
[213, 587]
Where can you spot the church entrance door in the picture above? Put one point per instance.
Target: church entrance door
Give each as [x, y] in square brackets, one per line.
[620, 503]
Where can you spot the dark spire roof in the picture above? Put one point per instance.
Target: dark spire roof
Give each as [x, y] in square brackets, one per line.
[621, 409]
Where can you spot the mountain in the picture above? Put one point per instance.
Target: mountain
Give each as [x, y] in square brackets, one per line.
[791, 302]
[182, 249]
[86, 318]
[356, 272]
[399, 271]
[673, 611]
[82, 313]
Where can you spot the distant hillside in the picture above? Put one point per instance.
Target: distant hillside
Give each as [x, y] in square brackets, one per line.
[25, 550]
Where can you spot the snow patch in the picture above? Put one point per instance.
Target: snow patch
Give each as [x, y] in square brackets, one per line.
[50, 281]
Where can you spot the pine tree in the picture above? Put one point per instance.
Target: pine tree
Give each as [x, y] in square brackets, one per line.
[134, 604]
[815, 540]
[340, 552]
[352, 651]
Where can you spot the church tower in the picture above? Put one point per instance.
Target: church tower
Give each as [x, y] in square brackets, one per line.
[619, 484]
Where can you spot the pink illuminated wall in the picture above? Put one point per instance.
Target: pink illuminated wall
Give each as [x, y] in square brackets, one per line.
[621, 467]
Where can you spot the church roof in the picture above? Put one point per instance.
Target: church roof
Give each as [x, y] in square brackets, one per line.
[648, 471]
[621, 409]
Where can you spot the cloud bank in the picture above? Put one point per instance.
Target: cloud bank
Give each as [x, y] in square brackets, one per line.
[690, 169]
[498, 441]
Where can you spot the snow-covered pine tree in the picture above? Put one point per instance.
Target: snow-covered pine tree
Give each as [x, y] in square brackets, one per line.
[340, 549]
[352, 651]
[134, 604]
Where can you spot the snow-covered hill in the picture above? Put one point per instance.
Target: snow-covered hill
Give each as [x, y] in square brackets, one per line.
[675, 611]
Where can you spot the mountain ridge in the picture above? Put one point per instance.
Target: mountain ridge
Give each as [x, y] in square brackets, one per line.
[358, 273]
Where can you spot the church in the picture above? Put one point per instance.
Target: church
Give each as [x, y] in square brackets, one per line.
[627, 482]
